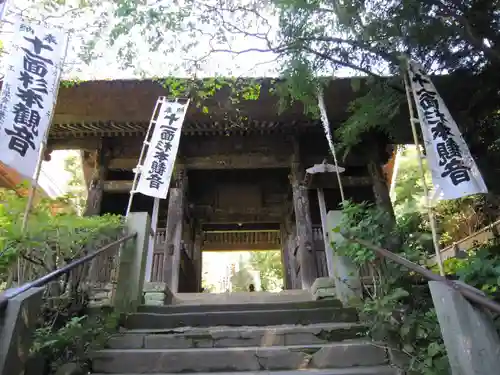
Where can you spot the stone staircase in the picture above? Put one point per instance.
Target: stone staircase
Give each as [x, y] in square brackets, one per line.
[282, 336]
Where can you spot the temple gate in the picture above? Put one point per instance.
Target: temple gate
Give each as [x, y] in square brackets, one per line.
[239, 183]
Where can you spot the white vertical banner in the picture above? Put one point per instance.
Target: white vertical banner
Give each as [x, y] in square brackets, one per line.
[454, 171]
[156, 172]
[29, 93]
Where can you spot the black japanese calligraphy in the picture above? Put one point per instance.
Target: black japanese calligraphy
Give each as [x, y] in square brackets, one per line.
[164, 146]
[30, 97]
[36, 64]
[442, 131]
[161, 156]
[171, 118]
[38, 45]
[154, 181]
[448, 151]
[167, 133]
[418, 76]
[457, 171]
[31, 92]
[26, 116]
[21, 139]
[26, 28]
[50, 39]
[427, 99]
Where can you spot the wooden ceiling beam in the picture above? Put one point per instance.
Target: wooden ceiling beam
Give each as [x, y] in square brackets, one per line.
[327, 181]
[213, 162]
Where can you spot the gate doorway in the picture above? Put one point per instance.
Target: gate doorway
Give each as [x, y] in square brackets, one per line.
[236, 257]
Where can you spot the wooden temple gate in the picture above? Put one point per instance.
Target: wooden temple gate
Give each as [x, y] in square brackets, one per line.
[237, 241]
[239, 181]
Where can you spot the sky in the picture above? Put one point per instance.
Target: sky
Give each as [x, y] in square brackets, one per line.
[146, 63]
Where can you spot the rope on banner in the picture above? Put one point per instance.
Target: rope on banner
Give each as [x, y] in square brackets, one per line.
[430, 212]
[326, 126]
[154, 118]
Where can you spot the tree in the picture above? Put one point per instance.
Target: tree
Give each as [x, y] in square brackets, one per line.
[409, 189]
[270, 267]
[76, 184]
[241, 279]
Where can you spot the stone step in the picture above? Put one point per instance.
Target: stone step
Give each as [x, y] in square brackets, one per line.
[372, 370]
[232, 298]
[226, 337]
[151, 361]
[177, 309]
[240, 318]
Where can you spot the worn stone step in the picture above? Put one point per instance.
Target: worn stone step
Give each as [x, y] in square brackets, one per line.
[240, 318]
[226, 337]
[150, 361]
[178, 309]
[372, 370]
[296, 295]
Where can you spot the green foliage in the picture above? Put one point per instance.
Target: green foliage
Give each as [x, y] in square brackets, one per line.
[374, 110]
[75, 340]
[462, 217]
[50, 240]
[397, 304]
[409, 189]
[55, 237]
[480, 268]
[270, 267]
[76, 184]
[456, 218]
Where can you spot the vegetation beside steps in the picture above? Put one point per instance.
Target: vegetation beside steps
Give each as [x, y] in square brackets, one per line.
[397, 306]
[55, 237]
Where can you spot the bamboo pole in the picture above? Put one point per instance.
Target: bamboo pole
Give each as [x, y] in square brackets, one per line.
[430, 212]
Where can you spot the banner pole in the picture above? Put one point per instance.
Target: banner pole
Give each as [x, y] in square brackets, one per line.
[159, 102]
[430, 212]
[152, 239]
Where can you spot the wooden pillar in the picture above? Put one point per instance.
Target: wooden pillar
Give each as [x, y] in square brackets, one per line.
[96, 186]
[197, 259]
[174, 231]
[306, 251]
[287, 255]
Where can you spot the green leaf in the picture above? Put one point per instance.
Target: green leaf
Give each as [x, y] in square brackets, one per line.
[433, 349]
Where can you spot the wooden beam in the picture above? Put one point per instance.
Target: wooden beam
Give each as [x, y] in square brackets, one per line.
[329, 181]
[240, 246]
[250, 215]
[218, 161]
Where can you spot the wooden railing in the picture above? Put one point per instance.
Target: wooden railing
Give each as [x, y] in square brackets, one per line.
[480, 237]
[186, 265]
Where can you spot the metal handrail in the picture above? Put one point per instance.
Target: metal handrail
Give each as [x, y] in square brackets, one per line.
[14, 292]
[467, 291]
